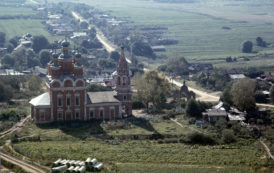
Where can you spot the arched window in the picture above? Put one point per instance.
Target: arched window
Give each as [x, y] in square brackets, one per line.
[118, 80]
[124, 80]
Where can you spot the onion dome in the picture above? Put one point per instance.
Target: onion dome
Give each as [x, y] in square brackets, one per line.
[55, 55]
[65, 56]
[65, 43]
[78, 55]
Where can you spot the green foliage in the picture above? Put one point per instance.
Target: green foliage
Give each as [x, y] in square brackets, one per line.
[243, 94]
[199, 138]
[6, 92]
[226, 96]
[177, 65]
[35, 84]
[97, 87]
[142, 49]
[247, 47]
[153, 88]
[8, 61]
[44, 57]
[260, 42]
[193, 109]
[40, 42]
[228, 136]
[115, 56]
[84, 25]
[214, 80]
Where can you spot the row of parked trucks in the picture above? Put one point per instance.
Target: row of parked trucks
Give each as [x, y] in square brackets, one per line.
[73, 166]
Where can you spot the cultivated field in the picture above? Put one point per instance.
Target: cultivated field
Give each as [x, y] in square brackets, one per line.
[198, 27]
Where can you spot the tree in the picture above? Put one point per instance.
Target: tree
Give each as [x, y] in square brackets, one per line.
[177, 65]
[228, 136]
[260, 42]
[115, 56]
[39, 42]
[92, 33]
[153, 88]
[35, 83]
[8, 60]
[2, 38]
[243, 94]
[14, 42]
[6, 92]
[84, 25]
[10, 47]
[44, 57]
[272, 93]
[227, 97]
[142, 49]
[193, 109]
[247, 47]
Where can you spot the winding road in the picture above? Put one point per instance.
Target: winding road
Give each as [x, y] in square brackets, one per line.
[14, 127]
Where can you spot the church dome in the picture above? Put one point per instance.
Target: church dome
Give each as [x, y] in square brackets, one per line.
[55, 55]
[78, 55]
[65, 43]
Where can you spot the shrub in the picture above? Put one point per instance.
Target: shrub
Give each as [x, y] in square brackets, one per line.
[228, 136]
[200, 138]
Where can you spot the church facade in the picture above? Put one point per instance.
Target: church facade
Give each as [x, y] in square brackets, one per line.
[67, 99]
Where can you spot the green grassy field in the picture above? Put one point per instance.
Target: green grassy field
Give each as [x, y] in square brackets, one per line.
[121, 154]
[19, 27]
[13, 11]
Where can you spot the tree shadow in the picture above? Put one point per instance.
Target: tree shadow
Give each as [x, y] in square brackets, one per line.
[141, 122]
[77, 129]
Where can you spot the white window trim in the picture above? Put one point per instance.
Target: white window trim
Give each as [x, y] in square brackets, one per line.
[112, 109]
[102, 109]
[58, 117]
[79, 102]
[68, 97]
[75, 113]
[59, 97]
[42, 111]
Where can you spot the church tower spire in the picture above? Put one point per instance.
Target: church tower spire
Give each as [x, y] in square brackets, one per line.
[123, 86]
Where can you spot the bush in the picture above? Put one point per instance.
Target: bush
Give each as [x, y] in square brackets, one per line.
[228, 136]
[199, 138]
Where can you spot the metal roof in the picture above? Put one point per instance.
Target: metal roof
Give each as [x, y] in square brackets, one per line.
[41, 100]
[102, 97]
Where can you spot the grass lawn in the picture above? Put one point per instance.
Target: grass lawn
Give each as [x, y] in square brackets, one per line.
[19, 27]
[13, 11]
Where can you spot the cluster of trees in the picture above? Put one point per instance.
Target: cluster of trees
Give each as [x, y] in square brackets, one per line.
[19, 87]
[152, 89]
[214, 80]
[241, 94]
[91, 44]
[247, 46]
[176, 65]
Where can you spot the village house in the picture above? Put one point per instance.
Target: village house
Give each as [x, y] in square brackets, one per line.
[67, 99]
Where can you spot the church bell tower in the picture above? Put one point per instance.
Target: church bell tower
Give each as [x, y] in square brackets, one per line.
[123, 86]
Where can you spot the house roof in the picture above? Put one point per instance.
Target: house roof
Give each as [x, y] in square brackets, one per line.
[102, 97]
[216, 112]
[41, 100]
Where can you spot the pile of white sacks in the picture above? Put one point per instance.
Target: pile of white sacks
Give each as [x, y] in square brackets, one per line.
[72, 166]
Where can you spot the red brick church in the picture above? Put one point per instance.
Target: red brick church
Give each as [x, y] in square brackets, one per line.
[67, 99]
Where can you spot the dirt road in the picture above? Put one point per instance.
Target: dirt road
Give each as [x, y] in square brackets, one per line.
[14, 128]
[22, 164]
[267, 150]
